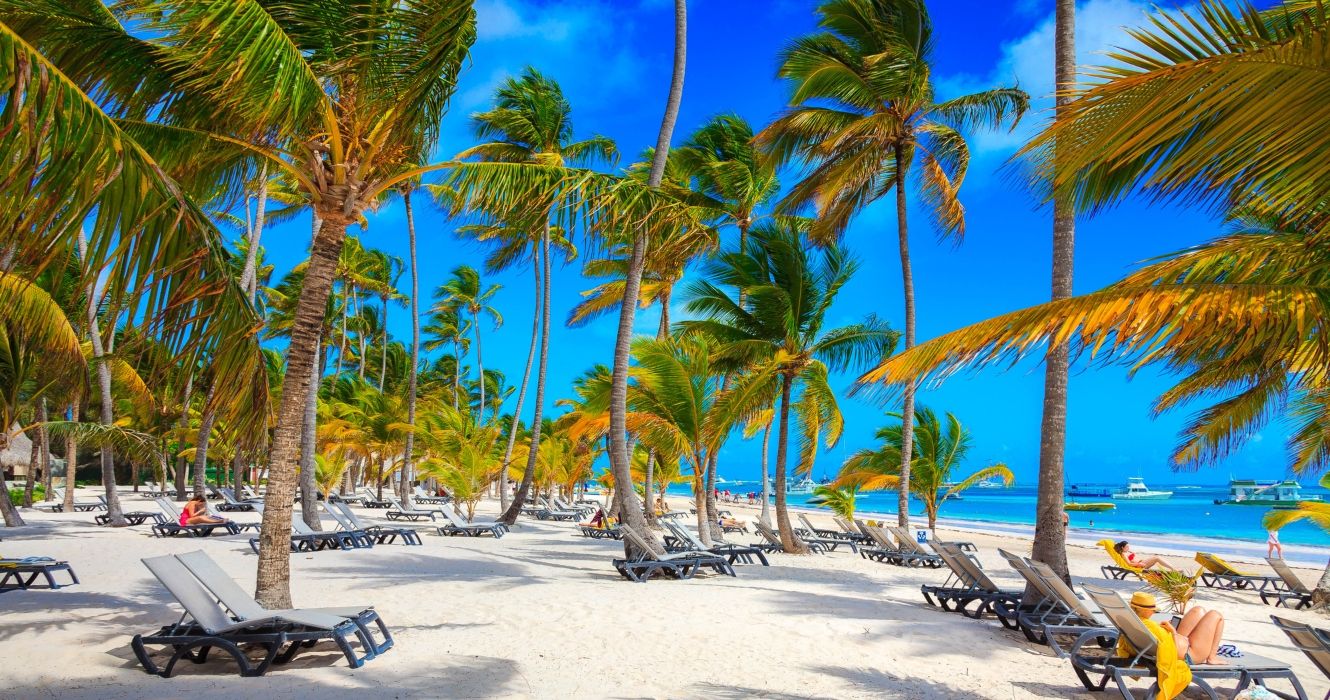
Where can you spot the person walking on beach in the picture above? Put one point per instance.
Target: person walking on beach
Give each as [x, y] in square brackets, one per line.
[1272, 547]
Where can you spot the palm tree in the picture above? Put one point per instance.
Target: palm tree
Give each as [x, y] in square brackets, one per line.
[840, 499]
[629, 510]
[531, 124]
[942, 449]
[863, 113]
[466, 291]
[348, 120]
[778, 340]
[1050, 532]
[408, 464]
[446, 327]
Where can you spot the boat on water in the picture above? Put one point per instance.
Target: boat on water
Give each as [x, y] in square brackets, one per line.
[991, 482]
[1136, 490]
[1093, 507]
[1089, 491]
[1277, 494]
[802, 486]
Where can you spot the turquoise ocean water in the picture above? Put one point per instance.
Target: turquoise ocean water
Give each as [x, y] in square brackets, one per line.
[1190, 512]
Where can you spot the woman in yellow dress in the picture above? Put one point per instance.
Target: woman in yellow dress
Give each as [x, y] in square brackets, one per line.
[1196, 638]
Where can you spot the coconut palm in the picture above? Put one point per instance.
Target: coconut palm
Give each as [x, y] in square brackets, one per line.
[778, 340]
[863, 113]
[840, 499]
[1050, 532]
[225, 85]
[943, 446]
[468, 293]
[531, 123]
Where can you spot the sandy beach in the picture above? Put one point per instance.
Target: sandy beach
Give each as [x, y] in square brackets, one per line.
[541, 613]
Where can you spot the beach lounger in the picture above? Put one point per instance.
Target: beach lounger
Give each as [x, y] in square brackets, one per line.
[58, 504]
[1069, 617]
[457, 526]
[1313, 642]
[372, 500]
[21, 574]
[1004, 604]
[809, 535]
[400, 512]
[231, 503]
[419, 496]
[584, 511]
[306, 539]
[172, 526]
[682, 539]
[680, 565]
[1120, 569]
[921, 554]
[600, 532]
[206, 625]
[825, 533]
[1246, 670]
[850, 531]
[1217, 573]
[135, 517]
[774, 544]
[548, 511]
[1294, 594]
[354, 499]
[381, 534]
[243, 607]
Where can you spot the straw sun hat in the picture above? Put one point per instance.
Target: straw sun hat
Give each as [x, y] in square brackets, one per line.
[1142, 601]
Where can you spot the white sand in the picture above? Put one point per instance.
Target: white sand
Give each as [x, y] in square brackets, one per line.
[541, 613]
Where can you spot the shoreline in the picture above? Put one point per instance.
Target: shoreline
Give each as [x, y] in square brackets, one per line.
[1249, 551]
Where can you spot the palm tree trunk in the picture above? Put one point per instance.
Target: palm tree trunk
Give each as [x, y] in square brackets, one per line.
[907, 280]
[529, 474]
[620, 462]
[201, 448]
[766, 481]
[249, 278]
[33, 460]
[71, 460]
[273, 585]
[46, 451]
[113, 511]
[309, 495]
[7, 509]
[700, 500]
[662, 332]
[521, 394]
[181, 467]
[457, 370]
[480, 368]
[1321, 594]
[1050, 535]
[782, 442]
[407, 465]
[383, 356]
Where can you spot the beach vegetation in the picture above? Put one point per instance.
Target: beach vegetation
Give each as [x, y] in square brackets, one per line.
[839, 499]
[943, 445]
[863, 113]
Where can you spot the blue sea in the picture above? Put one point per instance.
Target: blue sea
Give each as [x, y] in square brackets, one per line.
[1191, 512]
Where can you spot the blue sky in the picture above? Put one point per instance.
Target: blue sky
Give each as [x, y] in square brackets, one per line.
[613, 60]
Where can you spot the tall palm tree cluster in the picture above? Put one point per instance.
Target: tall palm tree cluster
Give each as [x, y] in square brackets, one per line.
[138, 137]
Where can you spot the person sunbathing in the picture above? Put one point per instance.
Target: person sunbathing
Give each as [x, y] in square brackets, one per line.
[196, 513]
[1196, 638]
[1140, 562]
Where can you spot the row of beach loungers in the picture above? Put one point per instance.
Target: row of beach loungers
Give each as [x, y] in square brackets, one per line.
[1284, 589]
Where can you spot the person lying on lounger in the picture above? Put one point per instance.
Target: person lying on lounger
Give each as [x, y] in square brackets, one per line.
[1197, 636]
[196, 513]
[1138, 561]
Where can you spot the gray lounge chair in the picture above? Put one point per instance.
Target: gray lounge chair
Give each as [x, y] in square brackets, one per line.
[683, 540]
[58, 504]
[21, 574]
[381, 534]
[1246, 670]
[206, 625]
[974, 586]
[419, 496]
[1313, 642]
[372, 500]
[134, 517]
[243, 607]
[549, 511]
[1217, 573]
[809, 535]
[172, 526]
[681, 565]
[457, 526]
[1297, 595]
[305, 539]
[774, 544]
[824, 533]
[231, 503]
[916, 553]
[399, 511]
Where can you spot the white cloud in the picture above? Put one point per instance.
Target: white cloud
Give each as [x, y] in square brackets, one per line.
[1028, 62]
[498, 19]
